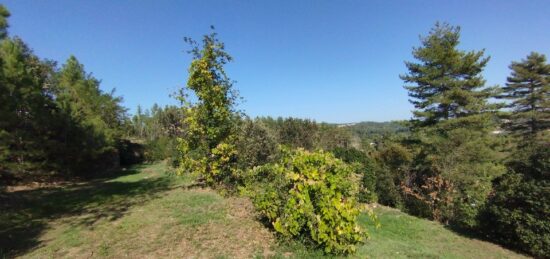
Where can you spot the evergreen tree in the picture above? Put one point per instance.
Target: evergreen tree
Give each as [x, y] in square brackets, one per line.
[518, 210]
[447, 82]
[528, 90]
[25, 107]
[455, 163]
[207, 146]
[4, 14]
[92, 119]
[78, 94]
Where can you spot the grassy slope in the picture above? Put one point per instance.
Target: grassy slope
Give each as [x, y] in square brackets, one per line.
[147, 213]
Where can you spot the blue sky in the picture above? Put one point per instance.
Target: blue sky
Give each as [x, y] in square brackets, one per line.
[333, 61]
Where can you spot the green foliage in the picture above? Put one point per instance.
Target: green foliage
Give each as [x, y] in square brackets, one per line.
[93, 120]
[519, 207]
[392, 163]
[366, 166]
[307, 134]
[447, 81]
[454, 168]
[130, 152]
[310, 196]
[157, 122]
[53, 120]
[457, 156]
[255, 144]
[528, 89]
[294, 132]
[518, 211]
[158, 129]
[370, 133]
[160, 148]
[333, 137]
[208, 143]
[518, 214]
[25, 108]
[4, 14]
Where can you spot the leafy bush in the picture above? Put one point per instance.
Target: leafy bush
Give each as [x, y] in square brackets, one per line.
[160, 148]
[310, 196]
[453, 169]
[392, 164]
[366, 168]
[518, 211]
[255, 145]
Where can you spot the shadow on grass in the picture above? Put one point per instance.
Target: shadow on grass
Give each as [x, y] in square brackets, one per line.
[478, 235]
[24, 215]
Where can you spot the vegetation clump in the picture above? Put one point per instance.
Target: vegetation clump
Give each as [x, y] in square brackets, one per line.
[207, 146]
[310, 196]
[519, 208]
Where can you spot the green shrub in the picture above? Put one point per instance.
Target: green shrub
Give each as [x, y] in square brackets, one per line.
[453, 168]
[392, 164]
[309, 196]
[256, 145]
[365, 166]
[518, 212]
[159, 149]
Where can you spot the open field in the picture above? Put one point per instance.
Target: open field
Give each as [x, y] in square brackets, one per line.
[146, 212]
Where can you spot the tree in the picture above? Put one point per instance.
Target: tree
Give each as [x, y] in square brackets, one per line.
[447, 82]
[256, 144]
[207, 146]
[25, 107]
[528, 90]
[92, 119]
[295, 132]
[157, 129]
[4, 14]
[455, 163]
[518, 209]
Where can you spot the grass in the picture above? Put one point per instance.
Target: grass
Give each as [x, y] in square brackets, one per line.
[145, 212]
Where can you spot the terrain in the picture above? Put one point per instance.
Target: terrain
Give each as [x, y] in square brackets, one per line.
[146, 211]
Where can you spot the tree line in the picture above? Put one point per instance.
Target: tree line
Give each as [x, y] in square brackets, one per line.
[53, 118]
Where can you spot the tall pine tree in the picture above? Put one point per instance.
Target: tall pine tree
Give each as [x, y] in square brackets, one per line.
[454, 166]
[446, 82]
[518, 211]
[25, 107]
[528, 90]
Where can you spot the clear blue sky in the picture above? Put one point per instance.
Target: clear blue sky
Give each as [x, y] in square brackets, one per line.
[334, 61]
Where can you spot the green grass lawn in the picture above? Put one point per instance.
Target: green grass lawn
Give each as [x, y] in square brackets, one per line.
[147, 212]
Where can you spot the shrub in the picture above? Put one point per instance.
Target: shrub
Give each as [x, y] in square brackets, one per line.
[392, 164]
[518, 211]
[309, 196]
[255, 145]
[160, 149]
[452, 172]
[366, 167]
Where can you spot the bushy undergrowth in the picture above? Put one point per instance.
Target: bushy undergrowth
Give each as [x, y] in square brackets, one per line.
[366, 166]
[309, 196]
[518, 211]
